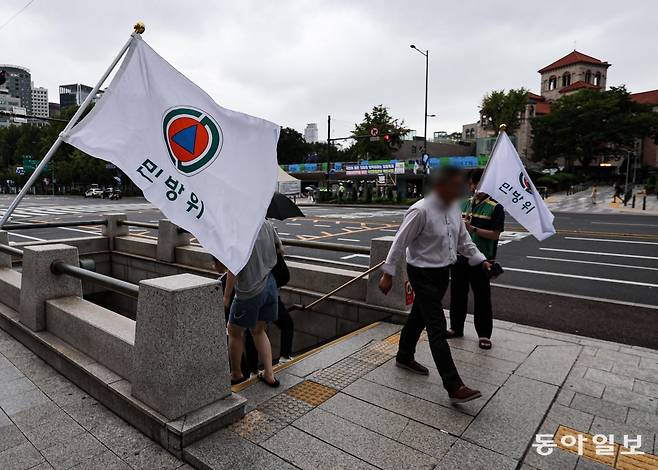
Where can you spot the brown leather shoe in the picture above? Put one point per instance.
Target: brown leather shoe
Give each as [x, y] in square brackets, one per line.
[413, 366]
[463, 394]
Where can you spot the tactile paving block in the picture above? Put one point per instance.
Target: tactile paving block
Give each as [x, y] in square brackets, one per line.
[636, 461]
[285, 408]
[383, 347]
[311, 392]
[372, 355]
[343, 373]
[393, 339]
[588, 450]
[257, 426]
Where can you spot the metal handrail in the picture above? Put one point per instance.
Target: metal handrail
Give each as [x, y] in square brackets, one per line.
[364, 250]
[137, 223]
[10, 250]
[72, 223]
[110, 283]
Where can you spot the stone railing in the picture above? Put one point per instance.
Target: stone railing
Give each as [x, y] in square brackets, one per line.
[159, 360]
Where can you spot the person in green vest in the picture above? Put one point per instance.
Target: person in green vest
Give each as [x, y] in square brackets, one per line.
[485, 220]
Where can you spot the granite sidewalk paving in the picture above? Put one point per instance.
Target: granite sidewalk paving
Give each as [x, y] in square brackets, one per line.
[348, 406]
[46, 422]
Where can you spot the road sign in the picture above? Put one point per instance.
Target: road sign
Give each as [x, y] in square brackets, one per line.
[374, 132]
[29, 164]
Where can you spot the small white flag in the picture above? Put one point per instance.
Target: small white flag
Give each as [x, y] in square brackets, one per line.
[208, 169]
[506, 180]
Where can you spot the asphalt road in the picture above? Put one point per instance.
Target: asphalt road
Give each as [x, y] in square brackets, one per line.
[598, 276]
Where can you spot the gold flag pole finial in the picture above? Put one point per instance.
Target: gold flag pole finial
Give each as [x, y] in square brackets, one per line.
[502, 127]
[139, 27]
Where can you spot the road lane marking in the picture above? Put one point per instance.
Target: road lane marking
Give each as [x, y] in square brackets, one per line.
[599, 253]
[587, 278]
[321, 225]
[27, 236]
[290, 223]
[389, 230]
[324, 261]
[348, 239]
[592, 262]
[78, 230]
[611, 241]
[622, 223]
[283, 233]
[355, 255]
[575, 296]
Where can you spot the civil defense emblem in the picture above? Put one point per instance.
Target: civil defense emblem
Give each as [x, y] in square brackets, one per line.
[194, 139]
[525, 183]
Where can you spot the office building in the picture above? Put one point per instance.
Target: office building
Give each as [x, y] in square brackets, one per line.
[40, 102]
[311, 133]
[11, 104]
[19, 84]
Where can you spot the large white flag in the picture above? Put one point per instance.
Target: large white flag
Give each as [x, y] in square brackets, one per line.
[209, 170]
[506, 180]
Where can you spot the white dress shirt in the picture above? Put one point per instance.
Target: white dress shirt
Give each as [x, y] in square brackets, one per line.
[432, 234]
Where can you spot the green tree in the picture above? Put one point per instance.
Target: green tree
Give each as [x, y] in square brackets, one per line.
[380, 149]
[501, 107]
[590, 124]
[291, 148]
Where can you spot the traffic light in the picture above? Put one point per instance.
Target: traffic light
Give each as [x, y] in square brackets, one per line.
[3, 77]
[387, 138]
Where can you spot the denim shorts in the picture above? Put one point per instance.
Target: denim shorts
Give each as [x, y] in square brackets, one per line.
[261, 307]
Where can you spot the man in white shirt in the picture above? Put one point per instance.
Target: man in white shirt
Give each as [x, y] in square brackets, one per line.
[432, 234]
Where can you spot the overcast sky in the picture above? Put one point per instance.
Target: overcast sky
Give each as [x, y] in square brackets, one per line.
[294, 61]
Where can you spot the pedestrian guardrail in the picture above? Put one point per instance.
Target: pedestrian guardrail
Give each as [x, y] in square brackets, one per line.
[108, 282]
[10, 250]
[59, 267]
[364, 250]
[71, 223]
[137, 223]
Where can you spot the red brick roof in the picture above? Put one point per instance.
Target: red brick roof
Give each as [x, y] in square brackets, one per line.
[646, 97]
[580, 84]
[532, 96]
[571, 58]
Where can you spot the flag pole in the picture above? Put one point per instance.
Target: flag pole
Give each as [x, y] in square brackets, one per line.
[502, 128]
[138, 29]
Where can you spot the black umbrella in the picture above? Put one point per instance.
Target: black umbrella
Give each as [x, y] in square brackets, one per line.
[283, 208]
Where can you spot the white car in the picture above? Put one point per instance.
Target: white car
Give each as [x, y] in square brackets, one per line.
[94, 192]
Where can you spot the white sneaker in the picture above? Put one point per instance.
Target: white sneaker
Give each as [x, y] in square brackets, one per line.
[285, 359]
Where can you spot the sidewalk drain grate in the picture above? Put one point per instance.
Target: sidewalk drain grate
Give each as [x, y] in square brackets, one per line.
[285, 408]
[620, 459]
[343, 373]
[311, 392]
[256, 426]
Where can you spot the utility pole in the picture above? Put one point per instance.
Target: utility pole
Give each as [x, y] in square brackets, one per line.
[427, 66]
[628, 171]
[425, 53]
[328, 137]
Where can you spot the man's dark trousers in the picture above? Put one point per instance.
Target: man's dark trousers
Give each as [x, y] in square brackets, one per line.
[461, 276]
[429, 284]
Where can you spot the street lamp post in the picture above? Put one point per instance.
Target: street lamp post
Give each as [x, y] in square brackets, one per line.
[425, 53]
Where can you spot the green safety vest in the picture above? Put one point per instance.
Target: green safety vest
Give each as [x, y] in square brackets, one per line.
[481, 215]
